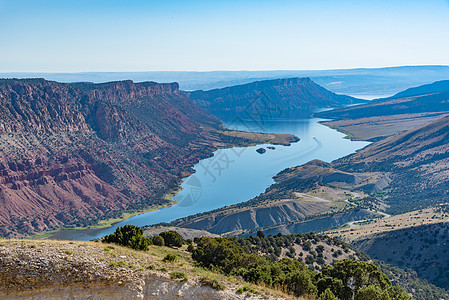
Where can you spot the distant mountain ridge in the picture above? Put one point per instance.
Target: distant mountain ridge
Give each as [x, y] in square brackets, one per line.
[359, 81]
[283, 94]
[436, 87]
[423, 99]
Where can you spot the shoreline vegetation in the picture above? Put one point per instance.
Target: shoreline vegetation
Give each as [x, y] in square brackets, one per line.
[283, 139]
[101, 224]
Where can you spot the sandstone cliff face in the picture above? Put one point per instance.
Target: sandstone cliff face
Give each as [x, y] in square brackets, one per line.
[38, 105]
[73, 154]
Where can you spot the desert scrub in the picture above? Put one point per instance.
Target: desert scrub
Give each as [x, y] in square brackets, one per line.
[178, 275]
[242, 289]
[213, 283]
[68, 252]
[170, 258]
[117, 264]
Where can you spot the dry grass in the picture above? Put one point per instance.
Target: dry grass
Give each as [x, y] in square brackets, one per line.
[410, 219]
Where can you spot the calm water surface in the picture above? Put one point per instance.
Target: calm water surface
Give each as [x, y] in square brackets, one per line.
[238, 174]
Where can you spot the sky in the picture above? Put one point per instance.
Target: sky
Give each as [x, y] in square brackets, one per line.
[189, 35]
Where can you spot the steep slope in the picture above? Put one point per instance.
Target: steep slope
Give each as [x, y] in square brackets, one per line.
[416, 240]
[420, 248]
[75, 154]
[418, 161]
[282, 94]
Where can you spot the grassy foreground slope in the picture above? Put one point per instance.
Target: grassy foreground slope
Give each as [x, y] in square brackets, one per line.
[307, 266]
[63, 269]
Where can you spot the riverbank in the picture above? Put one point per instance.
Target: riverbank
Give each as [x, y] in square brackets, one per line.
[236, 138]
[101, 225]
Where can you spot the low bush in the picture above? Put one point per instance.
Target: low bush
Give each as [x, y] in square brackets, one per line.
[178, 275]
[170, 258]
[158, 240]
[213, 283]
[172, 238]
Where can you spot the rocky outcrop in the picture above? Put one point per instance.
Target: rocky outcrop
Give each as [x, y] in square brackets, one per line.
[62, 270]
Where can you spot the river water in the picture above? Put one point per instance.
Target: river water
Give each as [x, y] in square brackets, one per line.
[238, 174]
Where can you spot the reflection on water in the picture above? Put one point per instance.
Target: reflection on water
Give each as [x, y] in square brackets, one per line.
[238, 174]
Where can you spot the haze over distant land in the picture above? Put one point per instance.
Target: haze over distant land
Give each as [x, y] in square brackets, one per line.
[363, 81]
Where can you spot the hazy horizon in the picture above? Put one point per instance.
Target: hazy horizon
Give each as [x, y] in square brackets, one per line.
[224, 70]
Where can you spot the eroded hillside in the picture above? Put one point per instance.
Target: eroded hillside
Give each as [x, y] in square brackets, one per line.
[76, 154]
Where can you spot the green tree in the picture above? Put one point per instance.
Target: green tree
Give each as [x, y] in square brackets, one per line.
[222, 253]
[158, 240]
[128, 236]
[172, 238]
[260, 234]
[327, 295]
[300, 283]
[335, 285]
[372, 292]
[356, 274]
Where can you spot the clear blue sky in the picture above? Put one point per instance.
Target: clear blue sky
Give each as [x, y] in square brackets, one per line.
[137, 35]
